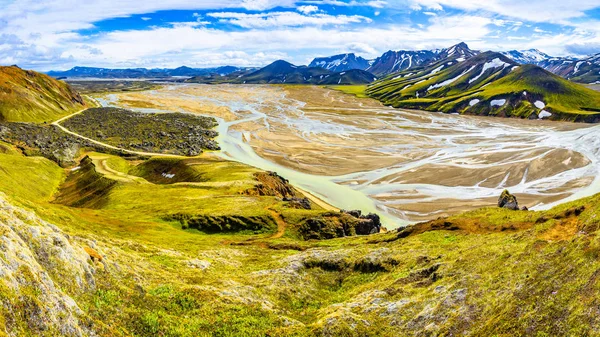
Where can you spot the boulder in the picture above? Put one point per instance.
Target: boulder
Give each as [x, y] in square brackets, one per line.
[508, 200]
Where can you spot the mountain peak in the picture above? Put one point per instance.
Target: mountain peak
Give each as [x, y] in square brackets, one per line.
[340, 62]
[460, 50]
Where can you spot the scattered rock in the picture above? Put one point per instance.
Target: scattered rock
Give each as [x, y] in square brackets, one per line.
[299, 203]
[198, 264]
[508, 201]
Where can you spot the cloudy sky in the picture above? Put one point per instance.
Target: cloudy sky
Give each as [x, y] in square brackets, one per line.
[60, 34]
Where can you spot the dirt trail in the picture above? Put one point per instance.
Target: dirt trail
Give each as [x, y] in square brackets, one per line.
[281, 224]
[104, 168]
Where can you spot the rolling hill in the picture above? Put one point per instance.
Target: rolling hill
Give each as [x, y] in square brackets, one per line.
[28, 96]
[489, 84]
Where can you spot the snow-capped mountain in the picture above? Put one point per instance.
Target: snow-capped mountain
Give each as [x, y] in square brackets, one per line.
[340, 62]
[530, 56]
[488, 84]
[393, 61]
[459, 52]
[585, 70]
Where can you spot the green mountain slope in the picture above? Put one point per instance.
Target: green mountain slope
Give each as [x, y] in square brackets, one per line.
[489, 84]
[28, 96]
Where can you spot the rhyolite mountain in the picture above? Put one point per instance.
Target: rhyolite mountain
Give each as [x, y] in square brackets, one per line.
[91, 72]
[29, 96]
[342, 62]
[488, 84]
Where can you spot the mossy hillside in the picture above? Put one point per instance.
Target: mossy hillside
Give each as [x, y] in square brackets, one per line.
[28, 96]
[521, 87]
[207, 168]
[488, 272]
[31, 179]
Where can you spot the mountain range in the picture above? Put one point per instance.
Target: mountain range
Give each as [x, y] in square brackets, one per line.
[582, 70]
[90, 72]
[283, 72]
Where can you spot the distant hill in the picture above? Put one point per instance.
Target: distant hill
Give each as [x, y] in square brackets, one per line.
[283, 72]
[83, 72]
[488, 84]
[342, 62]
[28, 96]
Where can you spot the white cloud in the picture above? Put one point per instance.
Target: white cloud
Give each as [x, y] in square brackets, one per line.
[530, 10]
[307, 9]
[145, 18]
[352, 3]
[282, 19]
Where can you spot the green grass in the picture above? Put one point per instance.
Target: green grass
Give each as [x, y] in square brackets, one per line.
[29, 178]
[540, 279]
[356, 90]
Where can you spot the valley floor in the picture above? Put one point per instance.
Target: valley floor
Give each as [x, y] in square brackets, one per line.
[407, 165]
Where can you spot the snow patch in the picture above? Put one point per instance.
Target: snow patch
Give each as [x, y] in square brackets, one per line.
[495, 63]
[446, 82]
[168, 176]
[539, 104]
[544, 114]
[436, 70]
[460, 59]
[473, 102]
[498, 102]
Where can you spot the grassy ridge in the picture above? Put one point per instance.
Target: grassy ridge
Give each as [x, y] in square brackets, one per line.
[28, 96]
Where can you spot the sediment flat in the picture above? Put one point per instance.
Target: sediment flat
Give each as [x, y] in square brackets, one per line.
[413, 165]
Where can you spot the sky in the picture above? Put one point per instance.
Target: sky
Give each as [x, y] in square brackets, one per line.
[59, 34]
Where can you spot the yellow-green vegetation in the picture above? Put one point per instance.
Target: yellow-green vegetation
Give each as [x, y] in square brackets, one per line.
[28, 96]
[489, 84]
[356, 90]
[490, 272]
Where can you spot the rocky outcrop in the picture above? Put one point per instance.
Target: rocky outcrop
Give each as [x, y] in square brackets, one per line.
[345, 223]
[508, 200]
[272, 184]
[40, 269]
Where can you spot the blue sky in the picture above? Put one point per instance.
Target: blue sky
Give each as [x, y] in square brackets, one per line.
[60, 34]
